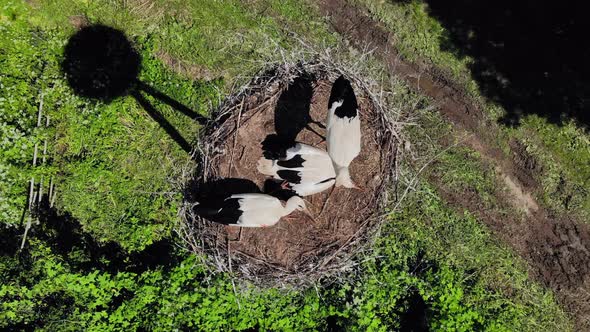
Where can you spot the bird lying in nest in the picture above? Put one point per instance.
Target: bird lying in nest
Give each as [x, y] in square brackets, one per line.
[248, 210]
[303, 169]
[343, 130]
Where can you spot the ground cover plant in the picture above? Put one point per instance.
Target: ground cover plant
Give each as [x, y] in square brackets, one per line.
[105, 255]
[561, 148]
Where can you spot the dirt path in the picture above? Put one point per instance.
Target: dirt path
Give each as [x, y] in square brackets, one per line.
[556, 247]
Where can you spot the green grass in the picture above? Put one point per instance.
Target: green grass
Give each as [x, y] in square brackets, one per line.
[225, 38]
[564, 155]
[562, 151]
[471, 280]
[419, 36]
[468, 281]
[456, 166]
[110, 162]
[117, 173]
[114, 165]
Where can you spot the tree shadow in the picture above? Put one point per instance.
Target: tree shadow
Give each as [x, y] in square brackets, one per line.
[100, 63]
[415, 319]
[292, 110]
[531, 57]
[66, 238]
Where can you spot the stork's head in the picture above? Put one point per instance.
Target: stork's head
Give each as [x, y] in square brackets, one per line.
[298, 203]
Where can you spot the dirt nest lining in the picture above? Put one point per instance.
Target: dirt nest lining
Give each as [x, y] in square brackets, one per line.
[287, 100]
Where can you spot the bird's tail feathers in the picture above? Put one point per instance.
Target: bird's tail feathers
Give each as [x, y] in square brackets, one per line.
[267, 166]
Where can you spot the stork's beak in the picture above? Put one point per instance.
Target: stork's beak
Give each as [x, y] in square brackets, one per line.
[307, 212]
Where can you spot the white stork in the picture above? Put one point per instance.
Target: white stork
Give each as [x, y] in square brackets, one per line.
[248, 210]
[343, 130]
[306, 170]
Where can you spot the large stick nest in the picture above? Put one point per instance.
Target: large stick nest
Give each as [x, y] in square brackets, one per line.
[298, 250]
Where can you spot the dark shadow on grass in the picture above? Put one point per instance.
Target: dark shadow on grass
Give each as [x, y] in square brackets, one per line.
[161, 120]
[100, 63]
[415, 319]
[66, 238]
[171, 102]
[531, 57]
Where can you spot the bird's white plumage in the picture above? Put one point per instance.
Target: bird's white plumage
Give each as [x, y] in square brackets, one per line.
[317, 171]
[305, 150]
[309, 188]
[343, 139]
[260, 210]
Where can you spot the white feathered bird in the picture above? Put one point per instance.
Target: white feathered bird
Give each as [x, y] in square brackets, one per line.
[248, 210]
[343, 130]
[305, 169]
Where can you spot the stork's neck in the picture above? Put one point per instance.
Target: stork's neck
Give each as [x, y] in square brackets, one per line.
[290, 206]
[343, 178]
[335, 105]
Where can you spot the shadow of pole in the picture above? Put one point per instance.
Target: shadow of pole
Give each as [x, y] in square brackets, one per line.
[165, 124]
[171, 102]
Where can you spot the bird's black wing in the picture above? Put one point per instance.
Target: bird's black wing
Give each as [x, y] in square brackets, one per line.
[275, 147]
[295, 162]
[224, 211]
[342, 91]
[289, 176]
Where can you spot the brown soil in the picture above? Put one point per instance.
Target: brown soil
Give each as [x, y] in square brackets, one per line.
[298, 243]
[186, 69]
[556, 247]
[78, 21]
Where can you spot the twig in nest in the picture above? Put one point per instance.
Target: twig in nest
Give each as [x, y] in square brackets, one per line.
[235, 138]
[326, 201]
[233, 284]
[271, 265]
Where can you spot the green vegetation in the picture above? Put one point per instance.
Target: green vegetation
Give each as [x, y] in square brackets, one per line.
[419, 36]
[117, 175]
[562, 151]
[110, 162]
[563, 155]
[446, 258]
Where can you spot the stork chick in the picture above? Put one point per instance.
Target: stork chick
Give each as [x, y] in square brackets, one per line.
[343, 130]
[306, 170]
[248, 210]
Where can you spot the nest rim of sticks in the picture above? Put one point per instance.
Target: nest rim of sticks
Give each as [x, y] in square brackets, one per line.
[202, 236]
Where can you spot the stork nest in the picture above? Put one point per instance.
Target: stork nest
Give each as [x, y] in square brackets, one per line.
[285, 100]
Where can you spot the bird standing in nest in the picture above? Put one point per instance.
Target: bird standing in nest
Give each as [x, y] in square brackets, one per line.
[343, 130]
[304, 169]
[248, 210]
